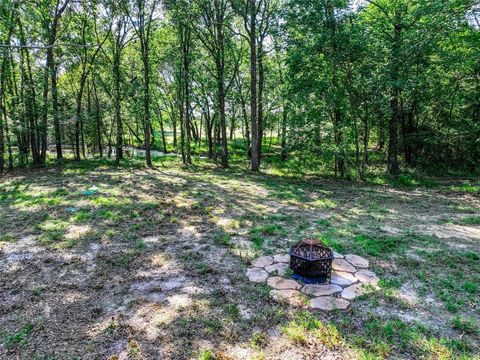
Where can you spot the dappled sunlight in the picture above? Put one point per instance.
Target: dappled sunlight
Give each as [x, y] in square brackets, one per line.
[448, 231]
[75, 232]
[161, 254]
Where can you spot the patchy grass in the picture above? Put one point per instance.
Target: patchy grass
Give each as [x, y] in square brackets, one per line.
[306, 327]
[18, 338]
[468, 326]
[148, 261]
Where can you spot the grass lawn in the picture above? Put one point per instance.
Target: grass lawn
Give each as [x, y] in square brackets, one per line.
[99, 262]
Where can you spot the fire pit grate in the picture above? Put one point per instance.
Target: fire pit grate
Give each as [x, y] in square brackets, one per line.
[311, 261]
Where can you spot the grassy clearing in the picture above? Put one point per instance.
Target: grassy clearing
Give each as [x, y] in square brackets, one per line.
[97, 233]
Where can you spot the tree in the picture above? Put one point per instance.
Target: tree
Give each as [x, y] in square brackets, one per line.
[51, 16]
[214, 19]
[141, 14]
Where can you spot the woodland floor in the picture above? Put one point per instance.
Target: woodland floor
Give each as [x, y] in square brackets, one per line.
[151, 264]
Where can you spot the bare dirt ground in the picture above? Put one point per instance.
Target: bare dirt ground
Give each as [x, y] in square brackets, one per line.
[132, 263]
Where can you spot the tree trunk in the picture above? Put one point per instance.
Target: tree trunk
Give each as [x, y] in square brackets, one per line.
[43, 125]
[3, 110]
[146, 100]
[98, 120]
[337, 114]
[78, 116]
[20, 128]
[209, 124]
[186, 94]
[221, 108]
[261, 87]
[29, 101]
[117, 103]
[255, 162]
[164, 141]
[50, 72]
[56, 120]
[392, 162]
[366, 133]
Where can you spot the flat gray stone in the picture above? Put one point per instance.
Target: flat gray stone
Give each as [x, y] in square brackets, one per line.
[367, 277]
[281, 283]
[321, 290]
[357, 261]
[279, 268]
[292, 297]
[342, 278]
[257, 275]
[337, 255]
[263, 261]
[281, 258]
[354, 291]
[329, 303]
[343, 265]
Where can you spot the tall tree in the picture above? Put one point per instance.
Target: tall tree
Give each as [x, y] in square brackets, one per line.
[141, 14]
[51, 15]
[215, 17]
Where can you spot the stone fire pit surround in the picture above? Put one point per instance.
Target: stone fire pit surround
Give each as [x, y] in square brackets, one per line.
[350, 278]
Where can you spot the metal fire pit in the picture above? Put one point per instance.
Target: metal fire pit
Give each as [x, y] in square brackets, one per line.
[311, 261]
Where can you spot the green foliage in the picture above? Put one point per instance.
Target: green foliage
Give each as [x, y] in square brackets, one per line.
[470, 220]
[222, 238]
[206, 355]
[378, 246]
[306, 325]
[258, 340]
[18, 338]
[465, 325]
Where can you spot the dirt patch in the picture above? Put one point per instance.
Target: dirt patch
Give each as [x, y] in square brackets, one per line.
[154, 263]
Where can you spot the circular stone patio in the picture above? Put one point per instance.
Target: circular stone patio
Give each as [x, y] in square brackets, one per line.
[350, 278]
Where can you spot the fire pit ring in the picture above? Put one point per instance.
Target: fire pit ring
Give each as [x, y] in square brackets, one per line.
[311, 261]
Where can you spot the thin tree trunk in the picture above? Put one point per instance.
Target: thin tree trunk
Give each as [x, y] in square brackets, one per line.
[56, 120]
[43, 124]
[146, 99]
[78, 116]
[337, 115]
[117, 103]
[186, 94]
[19, 120]
[50, 72]
[209, 124]
[98, 119]
[164, 141]
[261, 88]
[29, 102]
[393, 167]
[255, 162]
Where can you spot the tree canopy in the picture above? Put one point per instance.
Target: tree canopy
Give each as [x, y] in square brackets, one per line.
[336, 85]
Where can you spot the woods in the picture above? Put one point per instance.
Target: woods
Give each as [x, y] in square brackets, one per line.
[239, 179]
[336, 86]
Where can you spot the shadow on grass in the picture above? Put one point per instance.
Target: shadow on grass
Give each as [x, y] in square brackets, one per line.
[154, 274]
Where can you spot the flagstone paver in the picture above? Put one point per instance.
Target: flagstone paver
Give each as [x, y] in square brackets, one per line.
[367, 277]
[357, 261]
[343, 265]
[328, 303]
[342, 278]
[280, 283]
[354, 291]
[263, 261]
[257, 275]
[349, 279]
[279, 268]
[321, 290]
